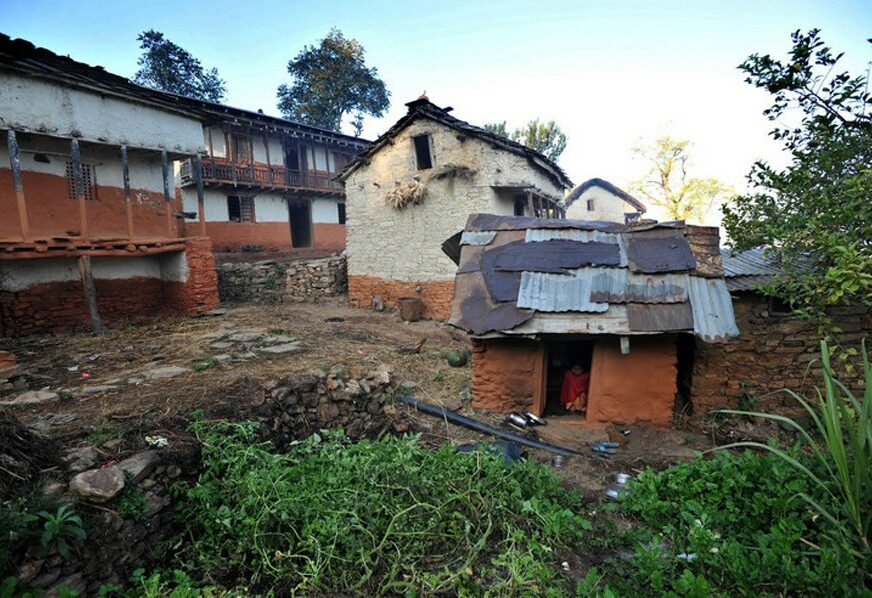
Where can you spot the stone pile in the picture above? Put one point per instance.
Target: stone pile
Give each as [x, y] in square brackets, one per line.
[275, 282]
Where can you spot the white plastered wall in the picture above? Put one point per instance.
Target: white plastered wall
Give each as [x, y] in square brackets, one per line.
[268, 207]
[22, 274]
[607, 206]
[325, 211]
[406, 244]
[31, 104]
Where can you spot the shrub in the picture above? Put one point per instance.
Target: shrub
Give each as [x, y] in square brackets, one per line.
[373, 517]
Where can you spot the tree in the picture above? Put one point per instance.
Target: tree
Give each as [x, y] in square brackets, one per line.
[815, 214]
[545, 138]
[166, 66]
[331, 80]
[668, 184]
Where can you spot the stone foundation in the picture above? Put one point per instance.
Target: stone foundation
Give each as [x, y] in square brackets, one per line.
[275, 282]
[773, 352]
[436, 295]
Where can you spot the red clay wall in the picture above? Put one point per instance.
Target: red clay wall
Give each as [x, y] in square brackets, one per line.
[637, 387]
[328, 236]
[436, 295]
[60, 306]
[504, 374]
[274, 236]
[52, 213]
[773, 352]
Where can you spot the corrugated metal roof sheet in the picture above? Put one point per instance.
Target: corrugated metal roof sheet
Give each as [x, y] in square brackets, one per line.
[558, 292]
[713, 318]
[618, 285]
[535, 235]
[477, 237]
[753, 262]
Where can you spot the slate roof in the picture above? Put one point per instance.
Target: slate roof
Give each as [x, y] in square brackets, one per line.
[423, 108]
[529, 276]
[603, 184]
[745, 270]
[23, 56]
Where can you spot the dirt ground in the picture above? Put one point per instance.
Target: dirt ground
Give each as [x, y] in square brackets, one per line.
[147, 378]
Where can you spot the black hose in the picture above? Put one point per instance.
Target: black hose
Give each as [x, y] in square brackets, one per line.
[474, 424]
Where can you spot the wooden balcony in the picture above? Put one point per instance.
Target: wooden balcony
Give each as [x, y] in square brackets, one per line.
[224, 173]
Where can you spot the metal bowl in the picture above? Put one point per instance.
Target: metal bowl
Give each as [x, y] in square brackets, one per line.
[534, 419]
[558, 461]
[623, 478]
[518, 419]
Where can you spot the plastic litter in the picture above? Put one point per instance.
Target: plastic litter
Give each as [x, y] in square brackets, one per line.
[157, 441]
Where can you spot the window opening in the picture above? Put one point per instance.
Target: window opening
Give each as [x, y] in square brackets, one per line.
[89, 181]
[341, 212]
[590, 205]
[422, 152]
[240, 209]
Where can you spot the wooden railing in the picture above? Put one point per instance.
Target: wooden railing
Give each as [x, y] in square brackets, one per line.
[215, 171]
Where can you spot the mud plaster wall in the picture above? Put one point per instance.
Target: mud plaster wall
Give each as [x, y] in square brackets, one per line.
[504, 374]
[405, 245]
[772, 352]
[637, 387]
[31, 104]
[436, 295]
[51, 210]
[607, 206]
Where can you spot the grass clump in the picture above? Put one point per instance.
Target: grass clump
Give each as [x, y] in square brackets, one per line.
[373, 517]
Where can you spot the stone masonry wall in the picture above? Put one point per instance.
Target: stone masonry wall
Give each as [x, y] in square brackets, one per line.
[275, 282]
[773, 352]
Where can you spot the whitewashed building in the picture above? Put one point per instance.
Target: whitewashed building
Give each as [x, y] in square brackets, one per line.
[597, 199]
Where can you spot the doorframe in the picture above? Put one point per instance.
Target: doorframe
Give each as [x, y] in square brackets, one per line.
[301, 202]
[540, 377]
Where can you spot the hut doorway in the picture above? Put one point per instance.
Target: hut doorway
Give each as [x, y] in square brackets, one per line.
[560, 356]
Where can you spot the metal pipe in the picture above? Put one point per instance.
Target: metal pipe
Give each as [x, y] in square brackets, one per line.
[478, 426]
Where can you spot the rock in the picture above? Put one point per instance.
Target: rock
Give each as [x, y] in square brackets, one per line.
[167, 371]
[73, 585]
[33, 397]
[113, 444]
[28, 570]
[223, 358]
[98, 484]
[221, 345]
[380, 376]
[327, 412]
[245, 337]
[51, 489]
[454, 405]
[174, 471]
[378, 304]
[389, 410]
[408, 385]
[80, 459]
[96, 389]
[281, 349]
[139, 465]
[401, 427]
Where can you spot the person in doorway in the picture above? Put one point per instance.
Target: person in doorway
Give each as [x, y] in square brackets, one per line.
[573, 393]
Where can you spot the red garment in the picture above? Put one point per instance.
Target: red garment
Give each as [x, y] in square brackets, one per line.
[573, 386]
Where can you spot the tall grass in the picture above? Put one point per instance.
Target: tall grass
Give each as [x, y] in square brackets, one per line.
[839, 450]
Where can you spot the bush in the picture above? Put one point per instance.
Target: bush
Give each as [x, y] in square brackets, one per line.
[373, 517]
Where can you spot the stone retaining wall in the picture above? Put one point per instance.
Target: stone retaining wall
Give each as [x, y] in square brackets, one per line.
[277, 282]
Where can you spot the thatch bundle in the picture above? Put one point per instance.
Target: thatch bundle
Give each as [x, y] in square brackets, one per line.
[406, 194]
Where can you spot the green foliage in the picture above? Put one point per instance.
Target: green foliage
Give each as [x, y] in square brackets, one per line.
[102, 435]
[162, 585]
[667, 183]
[839, 470]
[61, 530]
[166, 66]
[373, 517]
[733, 524]
[206, 364]
[131, 503]
[814, 214]
[544, 137]
[330, 81]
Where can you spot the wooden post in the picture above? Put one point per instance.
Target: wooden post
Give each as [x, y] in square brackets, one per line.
[128, 205]
[165, 168]
[15, 164]
[79, 178]
[268, 165]
[530, 203]
[90, 292]
[201, 204]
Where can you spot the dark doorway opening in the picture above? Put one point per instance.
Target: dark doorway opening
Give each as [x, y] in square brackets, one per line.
[292, 158]
[560, 357]
[685, 346]
[301, 223]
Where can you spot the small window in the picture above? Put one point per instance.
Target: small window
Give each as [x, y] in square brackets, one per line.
[89, 181]
[240, 209]
[422, 152]
[780, 307]
[590, 205]
[341, 208]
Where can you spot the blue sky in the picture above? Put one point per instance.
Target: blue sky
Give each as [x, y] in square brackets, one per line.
[609, 72]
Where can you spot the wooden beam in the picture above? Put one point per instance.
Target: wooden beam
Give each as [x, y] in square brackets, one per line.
[201, 202]
[128, 205]
[17, 183]
[90, 292]
[79, 180]
[165, 169]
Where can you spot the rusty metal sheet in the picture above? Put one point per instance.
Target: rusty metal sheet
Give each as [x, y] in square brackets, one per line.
[558, 292]
[502, 286]
[613, 321]
[473, 310]
[616, 285]
[477, 238]
[451, 247]
[713, 317]
[554, 256]
[484, 222]
[659, 317]
[535, 235]
[652, 253]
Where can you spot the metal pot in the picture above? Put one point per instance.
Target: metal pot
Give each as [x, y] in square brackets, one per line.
[534, 419]
[558, 461]
[623, 479]
[518, 420]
